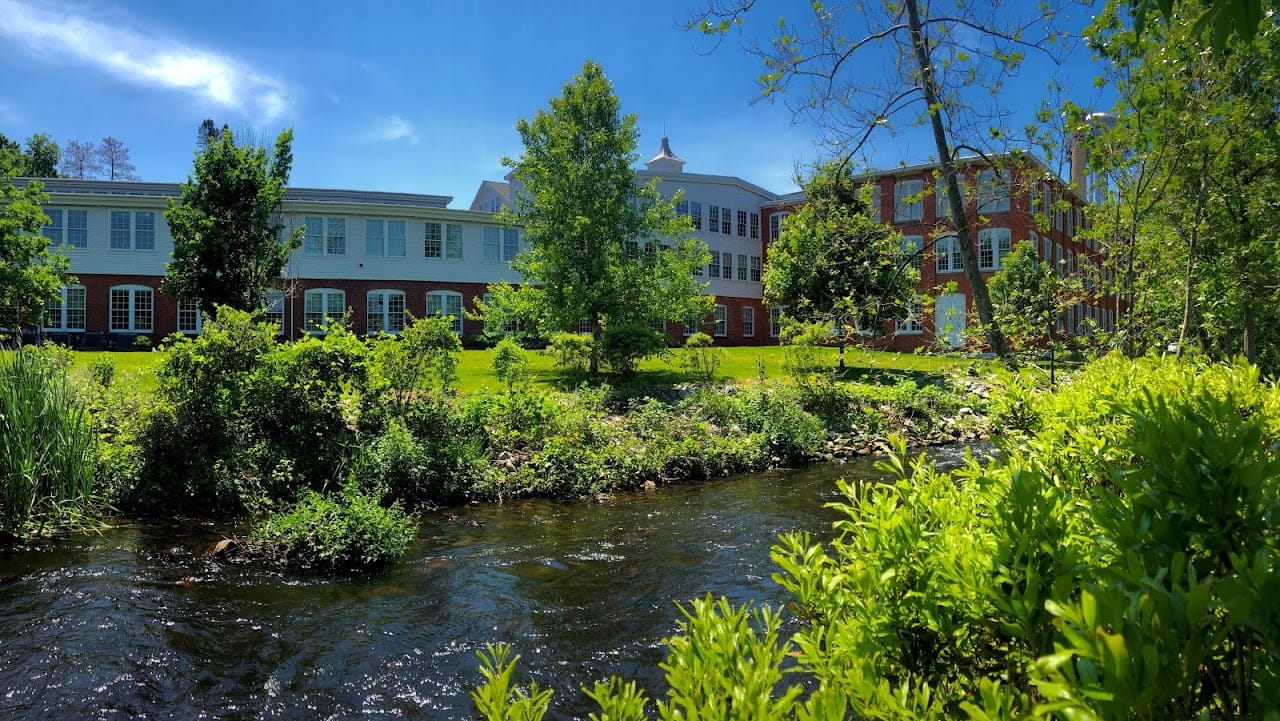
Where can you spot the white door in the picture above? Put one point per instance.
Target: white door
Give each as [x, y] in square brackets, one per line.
[948, 319]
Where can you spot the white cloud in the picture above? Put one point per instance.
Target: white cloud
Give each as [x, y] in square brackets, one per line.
[391, 129]
[144, 59]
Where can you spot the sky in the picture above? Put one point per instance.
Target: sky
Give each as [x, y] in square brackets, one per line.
[418, 97]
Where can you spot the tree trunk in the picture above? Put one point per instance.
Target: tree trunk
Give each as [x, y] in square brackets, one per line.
[1188, 294]
[1250, 338]
[981, 299]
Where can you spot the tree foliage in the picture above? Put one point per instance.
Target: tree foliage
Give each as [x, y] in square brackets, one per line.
[600, 249]
[228, 241]
[948, 62]
[38, 160]
[31, 273]
[833, 263]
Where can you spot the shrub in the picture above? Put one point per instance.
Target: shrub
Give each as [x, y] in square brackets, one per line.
[571, 352]
[510, 363]
[348, 532]
[700, 358]
[103, 371]
[47, 447]
[622, 346]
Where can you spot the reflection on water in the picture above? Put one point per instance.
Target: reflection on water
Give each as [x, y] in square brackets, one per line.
[138, 622]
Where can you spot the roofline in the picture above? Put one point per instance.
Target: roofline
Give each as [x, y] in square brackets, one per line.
[137, 188]
[704, 178]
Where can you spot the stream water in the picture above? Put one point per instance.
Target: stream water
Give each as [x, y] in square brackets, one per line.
[139, 623]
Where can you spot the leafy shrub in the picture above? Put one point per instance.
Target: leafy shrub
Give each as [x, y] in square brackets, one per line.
[510, 363]
[348, 532]
[623, 345]
[700, 358]
[102, 370]
[571, 352]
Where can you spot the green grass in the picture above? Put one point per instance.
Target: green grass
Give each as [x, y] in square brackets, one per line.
[738, 365]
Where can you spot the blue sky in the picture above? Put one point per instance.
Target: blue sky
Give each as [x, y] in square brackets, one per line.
[401, 96]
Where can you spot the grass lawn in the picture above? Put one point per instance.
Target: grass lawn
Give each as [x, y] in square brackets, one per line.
[738, 365]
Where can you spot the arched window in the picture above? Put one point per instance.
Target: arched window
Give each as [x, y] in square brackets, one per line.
[993, 246]
[946, 254]
[132, 308]
[385, 311]
[322, 305]
[722, 321]
[445, 302]
[66, 311]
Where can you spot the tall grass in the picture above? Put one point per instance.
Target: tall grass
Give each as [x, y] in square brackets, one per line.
[46, 448]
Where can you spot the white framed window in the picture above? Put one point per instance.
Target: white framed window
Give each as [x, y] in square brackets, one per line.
[908, 203]
[324, 236]
[775, 225]
[946, 255]
[742, 267]
[274, 311]
[453, 241]
[433, 240]
[913, 324]
[132, 308]
[66, 311]
[491, 244]
[713, 266]
[691, 326]
[875, 212]
[742, 223]
[722, 321]
[726, 221]
[713, 219]
[775, 320]
[445, 302]
[384, 311]
[384, 238]
[942, 202]
[54, 230]
[695, 214]
[913, 249]
[189, 320]
[321, 305]
[755, 226]
[78, 228]
[993, 191]
[510, 244]
[757, 268]
[993, 245]
[748, 322]
[132, 231]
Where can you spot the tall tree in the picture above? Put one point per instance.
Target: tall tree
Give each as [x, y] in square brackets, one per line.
[80, 160]
[228, 242]
[42, 157]
[207, 133]
[833, 263]
[600, 248]
[947, 63]
[30, 272]
[113, 155]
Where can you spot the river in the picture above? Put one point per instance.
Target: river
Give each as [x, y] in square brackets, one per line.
[138, 622]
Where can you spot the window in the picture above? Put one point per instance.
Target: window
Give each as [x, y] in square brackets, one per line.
[325, 236]
[742, 267]
[53, 231]
[433, 241]
[132, 308]
[775, 320]
[942, 202]
[756, 268]
[133, 231]
[775, 225]
[275, 309]
[946, 252]
[908, 205]
[510, 244]
[492, 245]
[695, 214]
[66, 311]
[713, 267]
[691, 326]
[722, 321]
[726, 221]
[742, 223]
[755, 226]
[384, 311]
[993, 246]
[874, 199]
[384, 238]
[78, 228]
[713, 219]
[748, 322]
[189, 315]
[913, 324]
[682, 207]
[322, 305]
[444, 302]
[913, 249]
[993, 191]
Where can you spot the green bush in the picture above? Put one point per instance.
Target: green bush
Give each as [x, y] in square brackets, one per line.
[350, 531]
[510, 363]
[47, 447]
[700, 358]
[571, 352]
[622, 346]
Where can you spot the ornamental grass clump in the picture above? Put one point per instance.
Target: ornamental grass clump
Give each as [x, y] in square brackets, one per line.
[46, 448]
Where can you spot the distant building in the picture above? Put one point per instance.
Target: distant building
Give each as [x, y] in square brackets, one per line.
[381, 255]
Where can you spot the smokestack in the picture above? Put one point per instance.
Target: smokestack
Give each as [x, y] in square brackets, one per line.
[1093, 124]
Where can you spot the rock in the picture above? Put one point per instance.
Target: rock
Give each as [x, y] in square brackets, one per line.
[650, 486]
[225, 548]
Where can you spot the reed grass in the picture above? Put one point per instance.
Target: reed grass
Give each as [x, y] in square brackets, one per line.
[47, 450]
